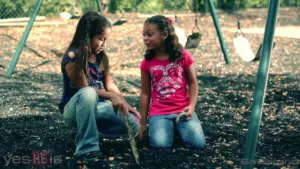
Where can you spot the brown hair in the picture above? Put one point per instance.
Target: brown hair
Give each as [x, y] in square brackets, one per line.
[89, 25]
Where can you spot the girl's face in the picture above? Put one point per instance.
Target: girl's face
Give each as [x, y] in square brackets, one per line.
[153, 38]
[99, 41]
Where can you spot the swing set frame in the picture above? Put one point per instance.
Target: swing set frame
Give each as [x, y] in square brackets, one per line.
[248, 160]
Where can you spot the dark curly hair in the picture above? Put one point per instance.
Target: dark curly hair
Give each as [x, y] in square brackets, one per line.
[172, 46]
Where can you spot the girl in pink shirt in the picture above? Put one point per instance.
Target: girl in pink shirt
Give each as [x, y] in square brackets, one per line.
[169, 87]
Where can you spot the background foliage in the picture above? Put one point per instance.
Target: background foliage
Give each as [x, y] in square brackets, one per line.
[21, 8]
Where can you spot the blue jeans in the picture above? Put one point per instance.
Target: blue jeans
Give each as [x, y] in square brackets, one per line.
[93, 120]
[161, 131]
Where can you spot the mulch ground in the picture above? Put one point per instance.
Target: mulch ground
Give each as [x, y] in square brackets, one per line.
[29, 119]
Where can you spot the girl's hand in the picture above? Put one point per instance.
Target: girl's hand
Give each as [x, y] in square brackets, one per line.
[135, 112]
[189, 111]
[116, 101]
[126, 107]
[129, 109]
[140, 133]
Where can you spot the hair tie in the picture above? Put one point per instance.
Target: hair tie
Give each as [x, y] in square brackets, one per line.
[171, 20]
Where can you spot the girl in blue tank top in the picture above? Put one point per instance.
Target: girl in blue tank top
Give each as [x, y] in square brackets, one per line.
[90, 97]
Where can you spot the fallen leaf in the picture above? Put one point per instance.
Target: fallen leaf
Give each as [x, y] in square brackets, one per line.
[229, 162]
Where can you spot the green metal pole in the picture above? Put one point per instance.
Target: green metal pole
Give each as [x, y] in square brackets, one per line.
[248, 160]
[99, 6]
[219, 32]
[21, 44]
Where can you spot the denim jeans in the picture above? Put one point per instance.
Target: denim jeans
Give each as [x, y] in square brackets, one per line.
[162, 128]
[94, 119]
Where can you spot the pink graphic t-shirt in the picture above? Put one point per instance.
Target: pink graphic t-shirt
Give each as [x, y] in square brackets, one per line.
[169, 87]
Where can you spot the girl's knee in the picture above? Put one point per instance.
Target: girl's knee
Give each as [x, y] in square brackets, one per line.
[88, 94]
[106, 108]
[160, 141]
[197, 142]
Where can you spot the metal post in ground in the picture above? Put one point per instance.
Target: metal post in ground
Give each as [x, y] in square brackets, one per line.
[22, 42]
[248, 160]
[99, 6]
[219, 32]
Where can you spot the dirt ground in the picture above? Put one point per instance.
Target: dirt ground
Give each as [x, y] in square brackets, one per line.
[30, 122]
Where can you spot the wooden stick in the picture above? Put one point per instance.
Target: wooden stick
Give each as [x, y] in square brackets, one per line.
[131, 138]
[178, 117]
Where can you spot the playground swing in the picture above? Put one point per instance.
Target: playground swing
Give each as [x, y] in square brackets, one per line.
[243, 47]
[120, 21]
[193, 39]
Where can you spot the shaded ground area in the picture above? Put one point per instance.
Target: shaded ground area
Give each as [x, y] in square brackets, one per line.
[29, 119]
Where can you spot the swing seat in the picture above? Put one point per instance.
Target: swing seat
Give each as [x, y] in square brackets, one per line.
[181, 35]
[193, 40]
[65, 15]
[243, 48]
[120, 22]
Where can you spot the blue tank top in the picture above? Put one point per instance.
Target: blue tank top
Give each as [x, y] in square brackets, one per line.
[96, 79]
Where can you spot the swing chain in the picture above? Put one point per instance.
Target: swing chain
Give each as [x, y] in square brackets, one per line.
[239, 25]
[239, 30]
[176, 10]
[196, 20]
[238, 20]
[237, 10]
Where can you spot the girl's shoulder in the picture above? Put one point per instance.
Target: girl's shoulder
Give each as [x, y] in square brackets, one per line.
[186, 54]
[70, 52]
[147, 61]
[146, 64]
[69, 56]
[186, 59]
